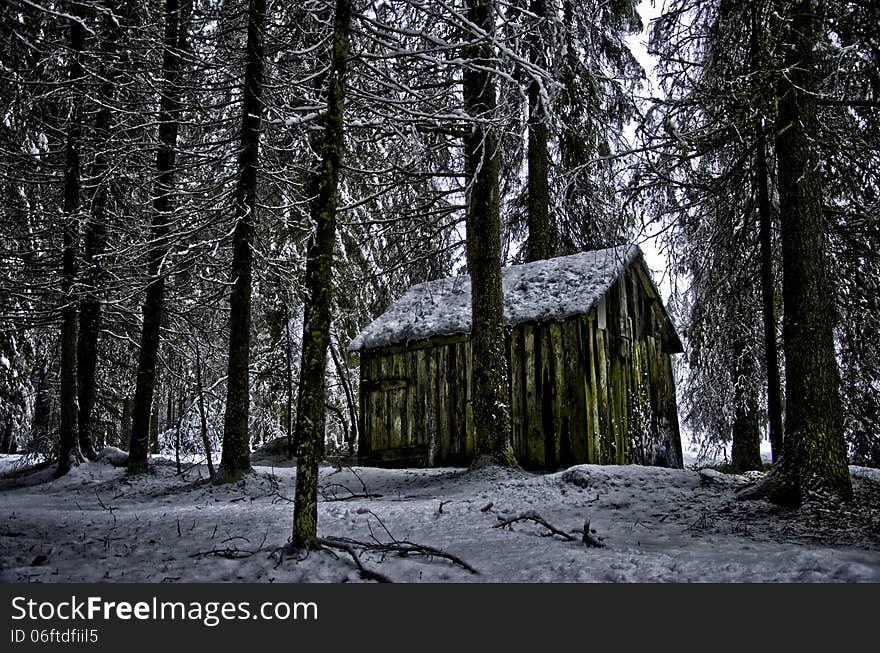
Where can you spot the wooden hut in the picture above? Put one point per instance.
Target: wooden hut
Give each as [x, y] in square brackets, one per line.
[589, 347]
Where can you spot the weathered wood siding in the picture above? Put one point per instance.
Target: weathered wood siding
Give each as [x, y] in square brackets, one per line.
[579, 393]
[415, 407]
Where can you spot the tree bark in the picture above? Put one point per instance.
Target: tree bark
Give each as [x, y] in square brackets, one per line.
[288, 384]
[319, 286]
[8, 443]
[745, 451]
[203, 418]
[236, 456]
[176, 19]
[490, 401]
[95, 233]
[154, 427]
[125, 426]
[768, 286]
[768, 303]
[42, 403]
[69, 453]
[351, 431]
[541, 228]
[813, 458]
[169, 404]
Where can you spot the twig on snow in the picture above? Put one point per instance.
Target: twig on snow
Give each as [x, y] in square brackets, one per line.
[405, 547]
[588, 536]
[228, 553]
[366, 574]
[328, 492]
[533, 516]
[232, 553]
[105, 507]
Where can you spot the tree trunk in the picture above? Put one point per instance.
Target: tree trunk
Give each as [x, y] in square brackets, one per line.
[95, 236]
[490, 402]
[125, 426]
[69, 453]
[177, 446]
[178, 422]
[813, 458]
[319, 288]
[42, 404]
[768, 286]
[288, 383]
[236, 456]
[203, 417]
[169, 406]
[351, 431]
[8, 443]
[176, 19]
[541, 237]
[768, 291]
[745, 451]
[154, 428]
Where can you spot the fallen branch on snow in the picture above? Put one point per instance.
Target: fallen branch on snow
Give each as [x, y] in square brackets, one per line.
[587, 534]
[329, 491]
[532, 516]
[401, 547]
[228, 553]
[355, 547]
[589, 538]
[366, 574]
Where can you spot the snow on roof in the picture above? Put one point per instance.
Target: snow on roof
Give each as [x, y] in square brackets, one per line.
[552, 289]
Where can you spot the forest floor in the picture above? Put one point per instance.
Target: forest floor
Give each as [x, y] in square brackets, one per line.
[651, 525]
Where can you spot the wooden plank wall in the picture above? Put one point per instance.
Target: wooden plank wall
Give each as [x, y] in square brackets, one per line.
[578, 393]
[414, 406]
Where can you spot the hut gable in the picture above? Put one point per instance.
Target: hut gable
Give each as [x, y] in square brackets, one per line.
[589, 346]
[553, 289]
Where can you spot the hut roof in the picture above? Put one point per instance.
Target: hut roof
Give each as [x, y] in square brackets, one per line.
[552, 289]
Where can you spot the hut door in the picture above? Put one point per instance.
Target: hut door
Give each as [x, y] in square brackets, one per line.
[387, 401]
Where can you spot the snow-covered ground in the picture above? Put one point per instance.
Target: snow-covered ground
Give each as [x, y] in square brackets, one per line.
[657, 525]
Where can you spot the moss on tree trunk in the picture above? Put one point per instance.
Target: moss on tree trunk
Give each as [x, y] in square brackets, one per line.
[813, 458]
[309, 432]
[491, 404]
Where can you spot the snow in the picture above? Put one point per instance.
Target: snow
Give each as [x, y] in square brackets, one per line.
[553, 289]
[866, 472]
[657, 525]
[113, 456]
[11, 462]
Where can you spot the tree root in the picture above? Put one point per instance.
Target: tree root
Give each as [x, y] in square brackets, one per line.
[776, 487]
